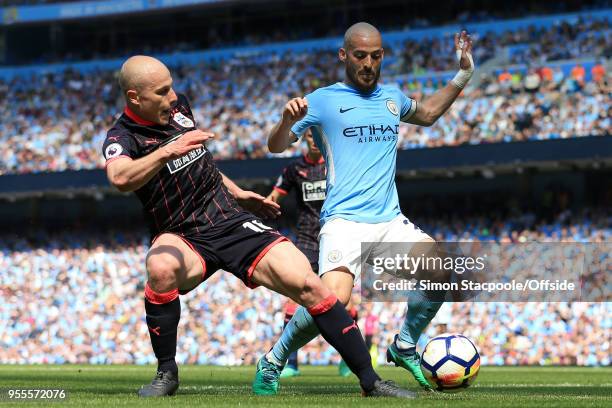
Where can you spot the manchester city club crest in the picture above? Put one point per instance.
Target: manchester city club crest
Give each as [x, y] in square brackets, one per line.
[392, 107]
[334, 256]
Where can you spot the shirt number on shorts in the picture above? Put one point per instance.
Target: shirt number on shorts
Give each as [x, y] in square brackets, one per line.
[256, 226]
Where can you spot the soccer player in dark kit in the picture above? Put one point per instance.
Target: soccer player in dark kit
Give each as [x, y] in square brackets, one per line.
[199, 223]
[306, 177]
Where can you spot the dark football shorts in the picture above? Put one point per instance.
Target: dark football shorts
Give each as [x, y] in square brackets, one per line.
[313, 258]
[236, 247]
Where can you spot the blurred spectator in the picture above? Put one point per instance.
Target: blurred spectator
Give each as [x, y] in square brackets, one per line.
[578, 74]
[532, 81]
[558, 77]
[504, 77]
[598, 72]
[546, 73]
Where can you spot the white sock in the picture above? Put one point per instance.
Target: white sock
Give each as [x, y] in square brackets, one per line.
[404, 345]
[270, 357]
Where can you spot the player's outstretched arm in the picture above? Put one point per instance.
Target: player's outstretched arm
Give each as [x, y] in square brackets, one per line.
[428, 111]
[130, 175]
[281, 135]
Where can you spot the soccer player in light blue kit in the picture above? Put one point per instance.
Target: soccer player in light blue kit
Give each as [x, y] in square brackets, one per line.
[355, 124]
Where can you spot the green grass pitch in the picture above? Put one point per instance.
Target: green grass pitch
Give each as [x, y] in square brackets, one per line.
[115, 386]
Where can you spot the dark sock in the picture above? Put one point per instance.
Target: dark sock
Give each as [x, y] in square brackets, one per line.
[162, 322]
[292, 361]
[339, 330]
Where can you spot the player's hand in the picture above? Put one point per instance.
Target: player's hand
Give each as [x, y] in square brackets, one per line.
[194, 139]
[258, 204]
[295, 110]
[463, 49]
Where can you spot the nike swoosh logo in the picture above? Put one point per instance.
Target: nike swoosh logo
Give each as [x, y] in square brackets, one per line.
[346, 110]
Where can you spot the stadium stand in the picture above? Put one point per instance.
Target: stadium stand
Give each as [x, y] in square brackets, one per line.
[58, 121]
[75, 297]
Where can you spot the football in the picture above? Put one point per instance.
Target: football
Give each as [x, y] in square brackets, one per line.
[450, 362]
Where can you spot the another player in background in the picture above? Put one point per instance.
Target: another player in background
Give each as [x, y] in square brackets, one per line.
[199, 224]
[305, 176]
[355, 123]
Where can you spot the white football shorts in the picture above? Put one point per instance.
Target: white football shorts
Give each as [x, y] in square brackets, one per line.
[340, 241]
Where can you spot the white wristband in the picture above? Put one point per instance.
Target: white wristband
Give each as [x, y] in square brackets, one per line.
[463, 76]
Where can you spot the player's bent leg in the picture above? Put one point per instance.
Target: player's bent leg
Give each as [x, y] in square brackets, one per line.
[343, 369]
[171, 265]
[286, 270]
[421, 309]
[328, 314]
[273, 273]
[297, 333]
[340, 281]
[291, 369]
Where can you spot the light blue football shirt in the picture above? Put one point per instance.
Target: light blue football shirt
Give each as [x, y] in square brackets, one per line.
[357, 134]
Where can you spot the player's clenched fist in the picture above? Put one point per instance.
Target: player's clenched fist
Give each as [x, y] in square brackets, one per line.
[194, 139]
[295, 110]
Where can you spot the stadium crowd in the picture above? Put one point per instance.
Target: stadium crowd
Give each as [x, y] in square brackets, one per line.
[76, 297]
[58, 122]
[566, 41]
[562, 41]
